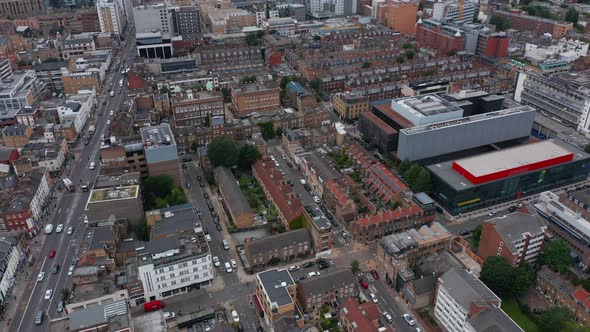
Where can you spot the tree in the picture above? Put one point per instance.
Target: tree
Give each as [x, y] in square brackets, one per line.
[164, 90]
[226, 93]
[65, 295]
[412, 174]
[253, 40]
[142, 231]
[279, 132]
[156, 186]
[422, 182]
[523, 278]
[476, 235]
[586, 284]
[315, 84]
[587, 148]
[404, 166]
[366, 65]
[194, 146]
[317, 38]
[410, 55]
[223, 151]
[572, 16]
[267, 130]
[176, 197]
[497, 274]
[399, 59]
[555, 319]
[248, 156]
[500, 22]
[355, 267]
[557, 256]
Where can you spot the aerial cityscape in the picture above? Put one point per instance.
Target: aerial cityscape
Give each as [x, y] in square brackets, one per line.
[294, 165]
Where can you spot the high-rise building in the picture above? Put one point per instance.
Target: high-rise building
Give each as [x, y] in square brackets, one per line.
[451, 12]
[150, 18]
[400, 16]
[12, 9]
[186, 20]
[110, 16]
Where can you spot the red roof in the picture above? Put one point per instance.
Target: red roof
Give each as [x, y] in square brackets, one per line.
[379, 123]
[281, 193]
[136, 82]
[360, 155]
[387, 180]
[338, 192]
[362, 315]
[583, 297]
[390, 215]
[393, 115]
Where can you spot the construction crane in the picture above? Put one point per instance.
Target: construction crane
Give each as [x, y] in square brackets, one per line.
[461, 11]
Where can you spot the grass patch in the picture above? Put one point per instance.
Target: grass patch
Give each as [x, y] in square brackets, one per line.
[511, 308]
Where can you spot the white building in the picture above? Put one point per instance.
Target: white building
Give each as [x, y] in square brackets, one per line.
[261, 17]
[463, 304]
[74, 110]
[110, 16]
[40, 177]
[564, 50]
[448, 12]
[334, 7]
[10, 257]
[149, 18]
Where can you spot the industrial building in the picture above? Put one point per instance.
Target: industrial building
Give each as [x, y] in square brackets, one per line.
[487, 179]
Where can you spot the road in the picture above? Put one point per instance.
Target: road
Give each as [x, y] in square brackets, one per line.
[69, 212]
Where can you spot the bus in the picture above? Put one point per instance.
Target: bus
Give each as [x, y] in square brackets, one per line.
[68, 183]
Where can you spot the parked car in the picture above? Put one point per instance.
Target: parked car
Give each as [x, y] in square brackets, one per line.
[364, 284]
[208, 237]
[375, 274]
[322, 266]
[216, 261]
[293, 268]
[228, 268]
[218, 227]
[329, 216]
[409, 319]
[199, 178]
[491, 214]
[234, 264]
[201, 184]
[387, 316]
[205, 195]
[317, 199]
[71, 269]
[289, 164]
[301, 278]
[60, 306]
[169, 315]
[308, 264]
[313, 274]
[235, 316]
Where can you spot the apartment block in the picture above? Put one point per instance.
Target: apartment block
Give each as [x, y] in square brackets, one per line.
[161, 154]
[12, 250]
[71, 47]
[399, 16]
[255, 98]
[22, 89]
[520, 21]
[518, 237]
[276, 295]
[186, 20]
[319, 228]
[464, 303]
[48, 155]
[349, 105]
[446, 39]
[110, 16]
[285, 247]
[16, 136]
[196, 108]
[455, 12]
[74, 82]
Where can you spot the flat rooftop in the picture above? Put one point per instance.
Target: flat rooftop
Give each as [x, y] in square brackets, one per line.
[426, 109]
[156, 136]
[111, 194]
[275, 283]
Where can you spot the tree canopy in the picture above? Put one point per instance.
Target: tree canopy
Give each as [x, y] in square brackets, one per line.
[248, 156]
[555, 319]
[500, 22]
[267, 130]
[557, 256]
[159, 191]
[223, 151]
[572, 16]
[505, 280]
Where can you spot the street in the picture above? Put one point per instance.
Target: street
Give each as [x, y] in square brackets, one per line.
[69, 212]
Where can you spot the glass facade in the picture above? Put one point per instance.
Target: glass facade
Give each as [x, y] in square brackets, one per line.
[511, 188]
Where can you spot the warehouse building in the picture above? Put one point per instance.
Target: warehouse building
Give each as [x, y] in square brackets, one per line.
[491, 178]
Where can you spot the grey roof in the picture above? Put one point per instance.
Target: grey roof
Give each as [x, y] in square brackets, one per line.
[513, 226]
[50, 65]
[115, 314]
[160, 245]
[76, 41]
[100, 235]
[229, 187]
[582, 196]
[270, 243]
[424, 285]
[327, 281]
[493, 320]
[557, 282]
[5, 153]
[176, 219]
[274, 283]
[423, 198]
[465, 288]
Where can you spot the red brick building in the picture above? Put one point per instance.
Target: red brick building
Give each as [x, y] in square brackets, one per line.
[521, 22]
[337, 198]
[495, 45]
[360, 317]
[444, 38]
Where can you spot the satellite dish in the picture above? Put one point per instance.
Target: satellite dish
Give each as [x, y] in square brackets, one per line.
[209, 86]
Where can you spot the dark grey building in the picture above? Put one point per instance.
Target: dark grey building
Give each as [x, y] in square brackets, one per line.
[377, 132]
[475, 101]
[186, 21]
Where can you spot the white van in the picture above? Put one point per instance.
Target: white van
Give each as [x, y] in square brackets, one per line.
[49, 228]
[225, 245]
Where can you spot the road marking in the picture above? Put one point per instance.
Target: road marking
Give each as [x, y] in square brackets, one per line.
[30, 297]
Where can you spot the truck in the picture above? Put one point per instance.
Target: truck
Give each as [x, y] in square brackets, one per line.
[112, 93]
[68, 183]
[91, 130]
[153, 305]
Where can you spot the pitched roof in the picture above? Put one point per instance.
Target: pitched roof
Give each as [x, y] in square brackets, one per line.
[583, 297]
[360, 315]
[338, 192]
[278, 241]
[327, 281]
[390, 215]
[465, 288]
[513, 227]
[232, 192]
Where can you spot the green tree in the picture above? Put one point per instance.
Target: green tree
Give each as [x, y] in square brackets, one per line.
[142, 231]
[226, 93]
[404, 166]
[523, 278]
[355, 267]
[410, 55]
[557, 256]
[555, 319]
[422, 182]
[156, 186]
[366, 65]
[248, 156]
[411, 175]
[65, 295]
[267, 130]
[399, 59]
[586, 284]
[223, 151]
[253, 40]
[572, 16]
[500, 22]
[315, 84]
[160, 203]
[194, 146]
[476, 235]
[497, 274]
[176, 197]
[164, 90]
[317, 38]
[279, 132]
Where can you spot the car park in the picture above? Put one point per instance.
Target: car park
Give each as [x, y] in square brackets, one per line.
[293, 268]
[48, 294]
[388, 317]
[216, 261]
[40, 276]
[374, 298]
[234, 264]
[409, 319]
[59, 228]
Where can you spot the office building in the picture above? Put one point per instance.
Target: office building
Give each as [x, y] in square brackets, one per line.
[455, 12]
[22, 89]
[426, 109]
[447, 39]
[152, 45]
[464, 303]
[491, 178]
[150, 18]
[15, 9]
[516, 236]
[161, 154]
[474, 102]
[110, 16]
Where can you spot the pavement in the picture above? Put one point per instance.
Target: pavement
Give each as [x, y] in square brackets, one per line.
[68, 210]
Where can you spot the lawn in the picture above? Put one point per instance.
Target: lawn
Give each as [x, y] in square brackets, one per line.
[511, 308]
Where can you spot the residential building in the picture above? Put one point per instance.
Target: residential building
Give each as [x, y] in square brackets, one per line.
[331, 288]
[277, 191]
[276, 294]
[337, 198]
[371, 228]
[108, 317]
[564, 223]
[538, 25]
[73, 82]
[564, 96]
[75, 46]
[122, 202]
[23, 209]
[284, 247]
[516, 236]
[80, 112]
[13, 9]
[16, 136]
[256, 98]
[12, 255]
[196, 108]
[110, 16]
[578, 201]
[446, 39]
[154, 45]
[84, 20]
[22, 89]
[317, 169]
[234, 200]
[175, 264]
[221, 18]
[153, 17]
[50, 73]
[562, 293]
[349, 105]
[455, 12]
[50, 155]
[30, 116]
[319, 228]
[479, 181]
[8, 155]
[300, 98]
[161, 154]
[400, 16]
[464, 303]
[186, 21]
[360, 317]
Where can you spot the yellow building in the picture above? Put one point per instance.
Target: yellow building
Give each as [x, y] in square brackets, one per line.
[349, 105]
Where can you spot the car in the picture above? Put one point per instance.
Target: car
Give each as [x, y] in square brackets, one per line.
[323, 266]
[205, 195]
[316, 199]
[418, 329]
[302, 182]
[289, 182]
[169, 315]
[519, 205]
[111, 112]
[301, 278]
[235, 316]
[293, 268]
[228, 268]
[48, 294]
[208, 237]
[188, 185]
[216, 261]
[283, 172]
[85, 219]
[70, 230]
[491, 214]
[344, 234]
[277, 164]
[387, 316]
[55, 269]
[59, 228]
[39, 318]
[52, 253]
[86, 142]
[71, 269]
[512, 209]
[307, 187]
[272, 158]
[333, 222]
[40, 276]
[374, 298]
[60, 306]
[199, 178]
[207, 325]
[308, 264]
[201, 184]
[284, 157]
[199, 328]
[108, 122]
[234, 264]
[184, 166]
[409, 319]
[364, 284]
[375, 274]
[313, 274]
[218, 227]
[289, 164]
[329, 216]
